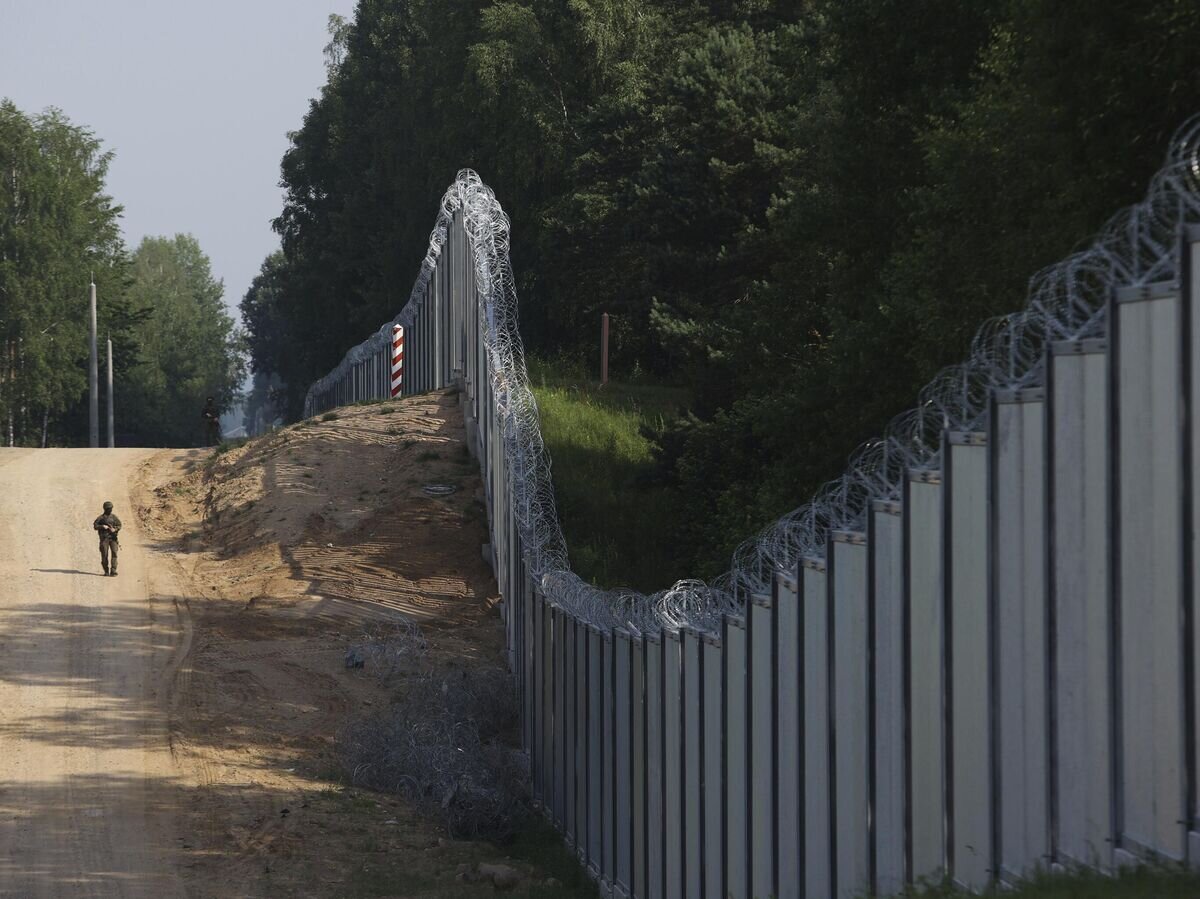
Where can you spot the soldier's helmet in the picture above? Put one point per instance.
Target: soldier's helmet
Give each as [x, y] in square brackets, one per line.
[108, 507]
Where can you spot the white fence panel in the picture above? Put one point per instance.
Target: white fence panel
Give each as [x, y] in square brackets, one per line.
[1081, 607]
[761, 707]
[623, 739]
[693, 764]
[593, 771]
[927, 740]
[1148, 516]
[788, 731]
[889, 818]
[607, 689]
[655, 826]
[712, 712]
[672, 819]
[852, 711]
[737, 762]
[1022, 636]
[968, 652]
[1190, 283]
[817, 785]
[639, 758]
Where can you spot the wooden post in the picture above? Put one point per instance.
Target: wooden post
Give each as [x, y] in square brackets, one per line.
[604, 349]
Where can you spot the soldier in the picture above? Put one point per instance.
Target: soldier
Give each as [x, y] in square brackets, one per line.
[212, 423]
[108, 526]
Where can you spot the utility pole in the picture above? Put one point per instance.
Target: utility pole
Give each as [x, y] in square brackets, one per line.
[111, 437]
[93, 377]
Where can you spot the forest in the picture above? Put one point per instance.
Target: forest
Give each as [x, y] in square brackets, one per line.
[173, 341]
[797, 211]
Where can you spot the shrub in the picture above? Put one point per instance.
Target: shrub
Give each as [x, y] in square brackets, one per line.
[444, 746]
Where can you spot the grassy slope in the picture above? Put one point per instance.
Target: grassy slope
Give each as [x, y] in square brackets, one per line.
[617, 526]
[1134, 883]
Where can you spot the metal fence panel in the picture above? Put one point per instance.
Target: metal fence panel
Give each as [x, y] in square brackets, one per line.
[787, 732]
[654, 765]
[580, 762]
[640, 757]
[608, 761]
[673, 870]
[712, 710]
[546, 688]
[575, 689]
[1022, 672]
[737, 781]
[1082, 651]
[851, 713]
[968, 649]
[1002, 671]
[559, 638]
[761, 707]
[926, 750]
[1190, 279]
[623, 774]
[530, 651]
[1149, 522]
[693, 765]
[886, 546]
[593, 771]
[818, 834]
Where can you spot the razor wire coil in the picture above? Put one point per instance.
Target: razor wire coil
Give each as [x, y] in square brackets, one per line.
[1067, 301]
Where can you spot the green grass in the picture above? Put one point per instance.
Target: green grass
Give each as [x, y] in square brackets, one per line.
[1129, 883]
[617, 522]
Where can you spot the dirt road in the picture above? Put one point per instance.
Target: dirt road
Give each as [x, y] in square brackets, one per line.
[87, 784]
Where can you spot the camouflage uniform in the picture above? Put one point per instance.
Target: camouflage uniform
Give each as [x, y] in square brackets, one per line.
[108, 539]
[212, 423]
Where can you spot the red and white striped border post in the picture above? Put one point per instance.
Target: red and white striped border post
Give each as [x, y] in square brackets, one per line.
[397, 360]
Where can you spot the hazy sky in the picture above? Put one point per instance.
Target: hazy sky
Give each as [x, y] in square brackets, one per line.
[195, 98]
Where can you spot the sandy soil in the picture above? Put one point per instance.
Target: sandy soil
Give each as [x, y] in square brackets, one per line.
[172, 731]
[88, 788]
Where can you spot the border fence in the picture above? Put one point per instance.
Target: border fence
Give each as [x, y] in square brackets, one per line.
[974, 655]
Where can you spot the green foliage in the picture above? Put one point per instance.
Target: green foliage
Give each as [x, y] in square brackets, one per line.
[618, 522]
[801, 210]
[190, 349]
[58, 229]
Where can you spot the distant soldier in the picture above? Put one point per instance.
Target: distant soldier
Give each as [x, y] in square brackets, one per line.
[108, 526]
[212, 423]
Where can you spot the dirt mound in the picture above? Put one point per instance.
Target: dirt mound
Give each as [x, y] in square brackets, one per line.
[289, 550]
